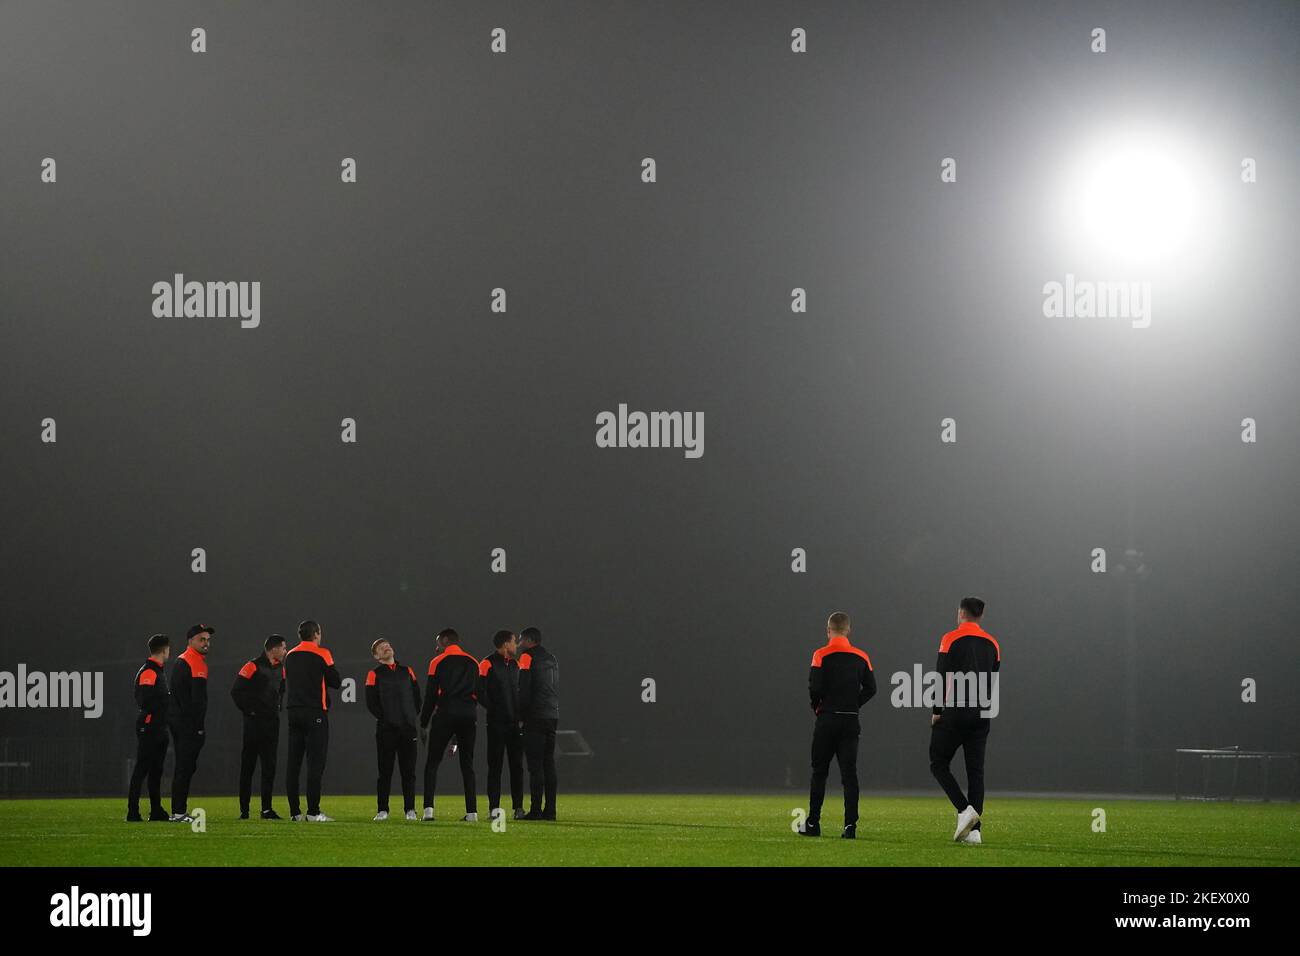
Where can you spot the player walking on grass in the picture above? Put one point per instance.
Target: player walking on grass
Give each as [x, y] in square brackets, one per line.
[188, 713]
[309, 673]
[393, 697]
[450, 705]
[258, 692]
[150, 732]
[971, 655]
[840, 681]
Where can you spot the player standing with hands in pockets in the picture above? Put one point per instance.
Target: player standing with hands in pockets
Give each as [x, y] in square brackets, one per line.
[840, 681]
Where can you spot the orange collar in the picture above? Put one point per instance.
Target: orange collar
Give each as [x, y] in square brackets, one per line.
[839, 640]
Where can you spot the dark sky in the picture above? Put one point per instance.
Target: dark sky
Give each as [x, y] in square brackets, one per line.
[476, 430]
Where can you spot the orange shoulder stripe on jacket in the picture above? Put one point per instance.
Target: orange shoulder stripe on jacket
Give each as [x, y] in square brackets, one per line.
[370, 678]
[964, 631]
[312, 647]
[148, 677]
[197, 665]
[839, 649]
[248, 670]
[455, 650]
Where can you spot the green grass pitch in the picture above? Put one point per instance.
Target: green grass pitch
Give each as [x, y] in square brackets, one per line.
[670, 830]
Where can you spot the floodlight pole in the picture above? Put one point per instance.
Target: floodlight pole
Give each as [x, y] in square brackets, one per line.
[1133, 560]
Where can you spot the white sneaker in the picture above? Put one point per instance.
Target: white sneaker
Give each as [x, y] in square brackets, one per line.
[428, 813]
[319, 818]
[381, 815]
[410, 814]
[181, 818]
[973, 838]
[470, 818]
[297, 818]
[965, 820]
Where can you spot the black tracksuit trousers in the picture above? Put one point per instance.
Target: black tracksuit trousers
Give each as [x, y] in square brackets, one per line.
[505, 742]
[539, 750]
[971, 734]
[150, 753]
[400, 745]
[188, 743]
[261, 743]
[441, 731]
[835, 737]
[309, 736]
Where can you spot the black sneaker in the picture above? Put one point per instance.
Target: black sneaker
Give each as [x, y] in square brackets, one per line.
[159, 816]
[532, 815]
[271, 815]
[133, 816]
[850, 832]
[243, 814]
[520, 814]
[548, 815]
[811, 828]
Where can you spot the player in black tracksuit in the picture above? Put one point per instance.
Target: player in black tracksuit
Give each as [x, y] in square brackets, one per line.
[309, 673]
[150, 731]
[968, 657]
[498, 692]
[393, 697]
[539, 708]
[259, 694]
[840, 681]
[450, 706]
[188, 714]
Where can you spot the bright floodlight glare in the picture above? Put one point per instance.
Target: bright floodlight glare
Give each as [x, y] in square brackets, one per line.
[1135, 199]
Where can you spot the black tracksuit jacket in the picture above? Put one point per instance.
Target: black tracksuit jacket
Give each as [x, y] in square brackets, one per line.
[151, 698]
[259, 688]
[393, 695]
[189, 692]
[840, 679]
[308, 673]
[539, 684]
[967, 650]
[498, 688]
[449, 691]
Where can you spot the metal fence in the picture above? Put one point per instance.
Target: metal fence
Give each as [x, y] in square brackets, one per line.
[88, 766]
[1269, 774]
